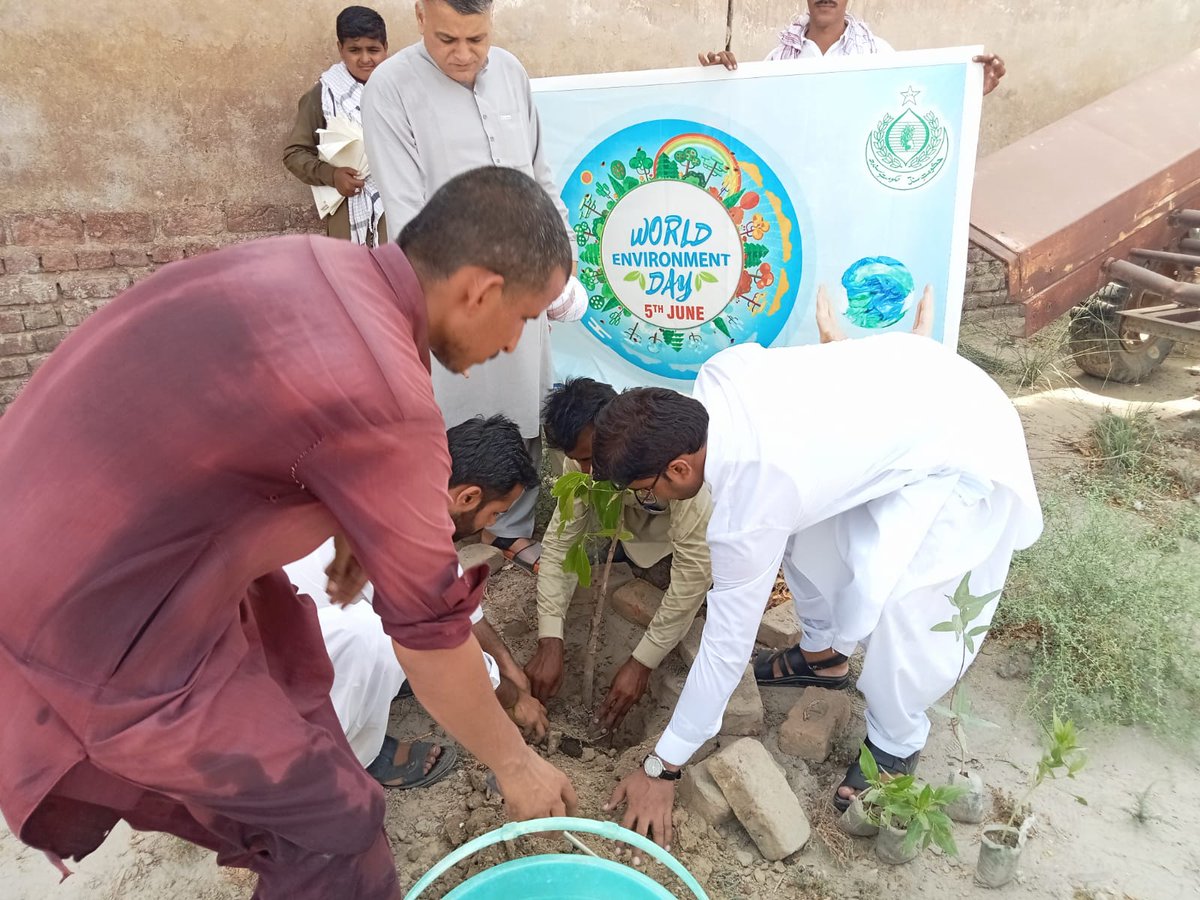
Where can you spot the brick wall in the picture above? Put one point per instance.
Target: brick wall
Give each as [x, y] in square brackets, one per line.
[987, 280]
[58, 267]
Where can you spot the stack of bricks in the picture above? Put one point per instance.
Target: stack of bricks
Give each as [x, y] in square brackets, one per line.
[56, 268]
[987, 280]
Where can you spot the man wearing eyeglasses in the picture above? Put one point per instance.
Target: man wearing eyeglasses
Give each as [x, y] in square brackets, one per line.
[658, 528]
[878, 472]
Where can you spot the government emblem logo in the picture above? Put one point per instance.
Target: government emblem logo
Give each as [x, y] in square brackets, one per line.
[907, 150]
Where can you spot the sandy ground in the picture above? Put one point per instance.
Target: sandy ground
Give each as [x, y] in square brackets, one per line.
[1093, 851]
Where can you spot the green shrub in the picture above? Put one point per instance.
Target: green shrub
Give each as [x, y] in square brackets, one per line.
[1115, 612]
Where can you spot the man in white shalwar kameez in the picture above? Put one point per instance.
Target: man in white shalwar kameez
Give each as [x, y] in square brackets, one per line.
[877, 472]
[490, 469]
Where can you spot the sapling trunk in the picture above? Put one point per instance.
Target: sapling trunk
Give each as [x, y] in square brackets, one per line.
[955, 721]
[600, 592]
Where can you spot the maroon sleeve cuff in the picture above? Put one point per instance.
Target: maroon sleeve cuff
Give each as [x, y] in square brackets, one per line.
[453, 608]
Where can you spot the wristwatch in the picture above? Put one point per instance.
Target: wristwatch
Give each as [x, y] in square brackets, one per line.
[655, 768]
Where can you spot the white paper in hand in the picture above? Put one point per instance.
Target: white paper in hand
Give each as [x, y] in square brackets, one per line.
[339, 143]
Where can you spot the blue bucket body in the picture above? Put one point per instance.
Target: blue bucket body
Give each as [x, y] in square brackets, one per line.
[559, 877]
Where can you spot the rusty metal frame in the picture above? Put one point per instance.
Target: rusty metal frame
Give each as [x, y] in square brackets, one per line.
[1120, 175]
[1176, 323]
[1187, 260]
[1169, 289]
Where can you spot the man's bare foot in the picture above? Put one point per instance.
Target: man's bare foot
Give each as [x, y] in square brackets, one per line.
[847, 793]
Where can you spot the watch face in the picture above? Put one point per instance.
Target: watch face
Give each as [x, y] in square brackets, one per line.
[653, 766]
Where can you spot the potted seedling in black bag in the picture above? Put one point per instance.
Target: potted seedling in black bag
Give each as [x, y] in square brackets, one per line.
[1001, 845]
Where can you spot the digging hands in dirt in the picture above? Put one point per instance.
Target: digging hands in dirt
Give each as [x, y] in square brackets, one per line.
[545, 669]
[649, 804]
[466, 707]
[530, 716]
[628, 686]
[534, 789]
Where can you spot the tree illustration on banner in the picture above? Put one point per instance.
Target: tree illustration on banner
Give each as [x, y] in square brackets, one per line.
[686, 245]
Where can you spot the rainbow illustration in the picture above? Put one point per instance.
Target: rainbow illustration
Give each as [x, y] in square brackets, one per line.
[732, 175]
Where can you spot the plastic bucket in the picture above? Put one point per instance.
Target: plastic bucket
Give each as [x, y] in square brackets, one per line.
[559, 876]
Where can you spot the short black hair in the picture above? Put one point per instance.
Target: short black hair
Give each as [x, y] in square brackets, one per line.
[469, 7]
[491, 454]
[496, 218]
[642, 430]
[360, 22]
[572, 407]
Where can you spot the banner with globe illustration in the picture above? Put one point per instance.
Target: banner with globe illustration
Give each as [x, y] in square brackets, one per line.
[708, 206]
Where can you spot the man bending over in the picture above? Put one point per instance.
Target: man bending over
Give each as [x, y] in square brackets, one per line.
[489, 469]
[658, 529]
[877, 472]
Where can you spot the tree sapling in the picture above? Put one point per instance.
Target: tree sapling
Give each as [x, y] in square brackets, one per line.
[578, 494]
[967, 609]
[1001, 844]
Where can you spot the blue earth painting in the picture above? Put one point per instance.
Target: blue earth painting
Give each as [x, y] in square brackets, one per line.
[879, 290]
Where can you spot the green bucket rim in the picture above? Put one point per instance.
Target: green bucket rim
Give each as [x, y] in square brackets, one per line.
[609, 830]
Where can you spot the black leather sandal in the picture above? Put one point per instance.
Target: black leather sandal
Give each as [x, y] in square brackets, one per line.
[796, 671]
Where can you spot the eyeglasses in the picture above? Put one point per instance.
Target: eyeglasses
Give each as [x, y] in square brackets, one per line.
[645, 496]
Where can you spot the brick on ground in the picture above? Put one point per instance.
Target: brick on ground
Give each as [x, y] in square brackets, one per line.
[743, 715]
[473, 554]
[620, 576]
[701, 794]
[779, 629]
[637, 601]
[813, 724]
[761, 798]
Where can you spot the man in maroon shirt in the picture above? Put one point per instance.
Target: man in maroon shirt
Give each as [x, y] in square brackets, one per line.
[219, 419]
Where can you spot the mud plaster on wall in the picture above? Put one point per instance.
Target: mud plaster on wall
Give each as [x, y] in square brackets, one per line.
[133, 106]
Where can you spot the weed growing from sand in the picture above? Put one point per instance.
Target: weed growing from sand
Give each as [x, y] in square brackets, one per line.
[1142, 810]
[1043, 360]
[1116, 618]
[1128, 444]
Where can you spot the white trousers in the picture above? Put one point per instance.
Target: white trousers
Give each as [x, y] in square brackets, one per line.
[366, 674]
[881, 574]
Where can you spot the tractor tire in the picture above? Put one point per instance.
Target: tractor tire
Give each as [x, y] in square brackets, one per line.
[1103, 346]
